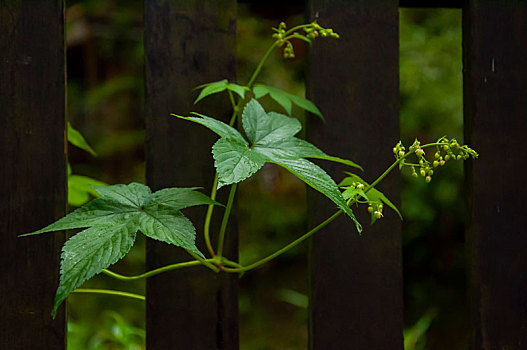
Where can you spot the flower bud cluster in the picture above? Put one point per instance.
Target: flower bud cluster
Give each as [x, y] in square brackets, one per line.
[315, 30]
[375, 209]
[358, 185]
[280, 33]
[312, 31]
[451, 150]
[399, 150]
[288, 50]
[445, 150]
[423, 165]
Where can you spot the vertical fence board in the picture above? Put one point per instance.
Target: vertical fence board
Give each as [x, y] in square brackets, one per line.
[495, 86]
[33, 176]
[187, 43]
[356, 282]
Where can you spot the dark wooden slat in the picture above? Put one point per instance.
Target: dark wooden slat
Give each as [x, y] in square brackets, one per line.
[356, 282]
[431, 3]
[187, 43]
[33, 176]
[495, 86]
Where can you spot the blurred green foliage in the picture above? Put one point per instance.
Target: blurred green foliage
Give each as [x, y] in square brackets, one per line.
[113, 333]
[433, 229]
[105, 102]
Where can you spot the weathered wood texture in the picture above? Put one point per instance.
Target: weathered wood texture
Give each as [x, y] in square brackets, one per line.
[495, 88]
[356, 281]
[33, 176]
[187, 43]
[431, 3]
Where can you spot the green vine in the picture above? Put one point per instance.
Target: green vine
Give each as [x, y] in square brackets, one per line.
[111, 222]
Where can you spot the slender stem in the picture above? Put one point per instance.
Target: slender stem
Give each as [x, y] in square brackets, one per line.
[151, 273]
[260, 64]
[325, 222]
[236, 108]
[390, 168]
[238, 267]
[287, 247]
[227, 262]
[225, 219]
[294, 29]
[234, 114]
[156, 271]
[386, 172]
[203, 261]
[111, 292]
[231, 98]
[208, 217]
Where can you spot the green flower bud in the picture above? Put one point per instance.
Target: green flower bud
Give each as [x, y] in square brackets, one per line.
[401, 153]
[378, 214]
[423, 172]
[447, 157]
[436, 164]
[428, 179]
[370, 209]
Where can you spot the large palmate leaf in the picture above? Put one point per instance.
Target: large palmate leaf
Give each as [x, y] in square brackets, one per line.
[271, 139]
[112, 222]
[285, 99]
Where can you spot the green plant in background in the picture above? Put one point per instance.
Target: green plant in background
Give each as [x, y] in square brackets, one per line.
[113, 220]
[414, 337]
[116, 334]
[80, 188]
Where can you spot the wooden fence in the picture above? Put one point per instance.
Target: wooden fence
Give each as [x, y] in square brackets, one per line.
[356, 294]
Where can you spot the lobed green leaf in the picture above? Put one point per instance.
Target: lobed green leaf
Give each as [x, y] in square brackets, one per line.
[265, 128]
[235, 161]
[219, 86]
[179, 198]
[211, 88]
[170, 226]
[90, 251]
[272, 140]
[113, 221]
[220, 128]
[286, 99]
